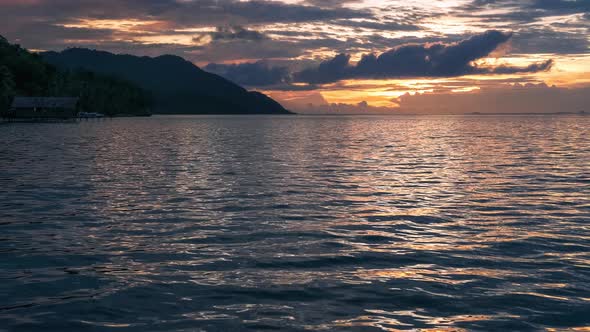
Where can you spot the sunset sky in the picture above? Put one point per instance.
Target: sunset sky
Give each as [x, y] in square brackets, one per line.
[344, 55]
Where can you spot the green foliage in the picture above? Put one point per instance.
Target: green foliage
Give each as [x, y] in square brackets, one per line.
[102, 94]
[6, 88]
[25, 74]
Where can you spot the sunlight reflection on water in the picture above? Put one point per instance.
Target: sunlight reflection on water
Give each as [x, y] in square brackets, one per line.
[297, 223]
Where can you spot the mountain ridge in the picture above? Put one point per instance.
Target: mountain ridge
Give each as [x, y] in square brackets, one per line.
[178, 85]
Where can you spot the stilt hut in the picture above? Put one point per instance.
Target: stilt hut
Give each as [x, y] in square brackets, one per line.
[43, 108]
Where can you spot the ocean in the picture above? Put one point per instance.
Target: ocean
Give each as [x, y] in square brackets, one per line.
[296, 223]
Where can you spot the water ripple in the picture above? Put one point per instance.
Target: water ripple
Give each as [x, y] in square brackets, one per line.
[296, 223]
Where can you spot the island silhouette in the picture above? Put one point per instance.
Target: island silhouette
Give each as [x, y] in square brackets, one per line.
[123, 85]
[177, 85]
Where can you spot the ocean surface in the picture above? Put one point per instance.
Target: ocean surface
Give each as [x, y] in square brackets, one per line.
[296, 223]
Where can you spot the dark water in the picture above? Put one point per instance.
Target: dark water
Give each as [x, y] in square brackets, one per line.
[296, 223]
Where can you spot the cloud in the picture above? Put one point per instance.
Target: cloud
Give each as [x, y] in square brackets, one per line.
[332, 70]
[174, 27]
[377, 25]
[236, 32]
[256, 74]
[427, 60]
[505, 98]
[562, 6]
[343, 108]
[303, 31]
[330, 3]
[201, 12]
[532, 68]
[546, 40]
[529, 98]
[231, 33]
[244, 50]
[523, 11]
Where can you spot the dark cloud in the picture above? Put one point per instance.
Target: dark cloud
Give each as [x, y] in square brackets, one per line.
[332, 70]
[58, 24]
[546, 40]
[202, 12]
[330, 3]
[378, 25]
[562, 6]
[256, 74]
[302, 30]
[237, 32]
[232, 33]
[226, 51]
[208, 12]
[532, 68]
[524, 11]
[428, 60]
[537, 28]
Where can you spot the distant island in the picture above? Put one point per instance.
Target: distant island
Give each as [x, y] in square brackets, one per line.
[177, 85]
[124, 85]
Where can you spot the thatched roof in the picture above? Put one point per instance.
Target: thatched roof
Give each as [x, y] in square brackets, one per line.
[45, 102]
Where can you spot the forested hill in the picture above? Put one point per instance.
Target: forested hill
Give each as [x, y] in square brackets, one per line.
[178, 86]
[23, 73]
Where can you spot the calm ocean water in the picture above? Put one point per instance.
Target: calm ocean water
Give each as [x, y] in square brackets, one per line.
[296, 223]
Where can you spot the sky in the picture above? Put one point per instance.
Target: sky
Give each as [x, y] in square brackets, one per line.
[347, 56]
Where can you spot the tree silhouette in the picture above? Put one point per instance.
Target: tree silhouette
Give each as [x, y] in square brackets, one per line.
[24, 73]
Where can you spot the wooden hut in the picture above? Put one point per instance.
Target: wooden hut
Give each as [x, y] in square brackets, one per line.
[43, 108]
